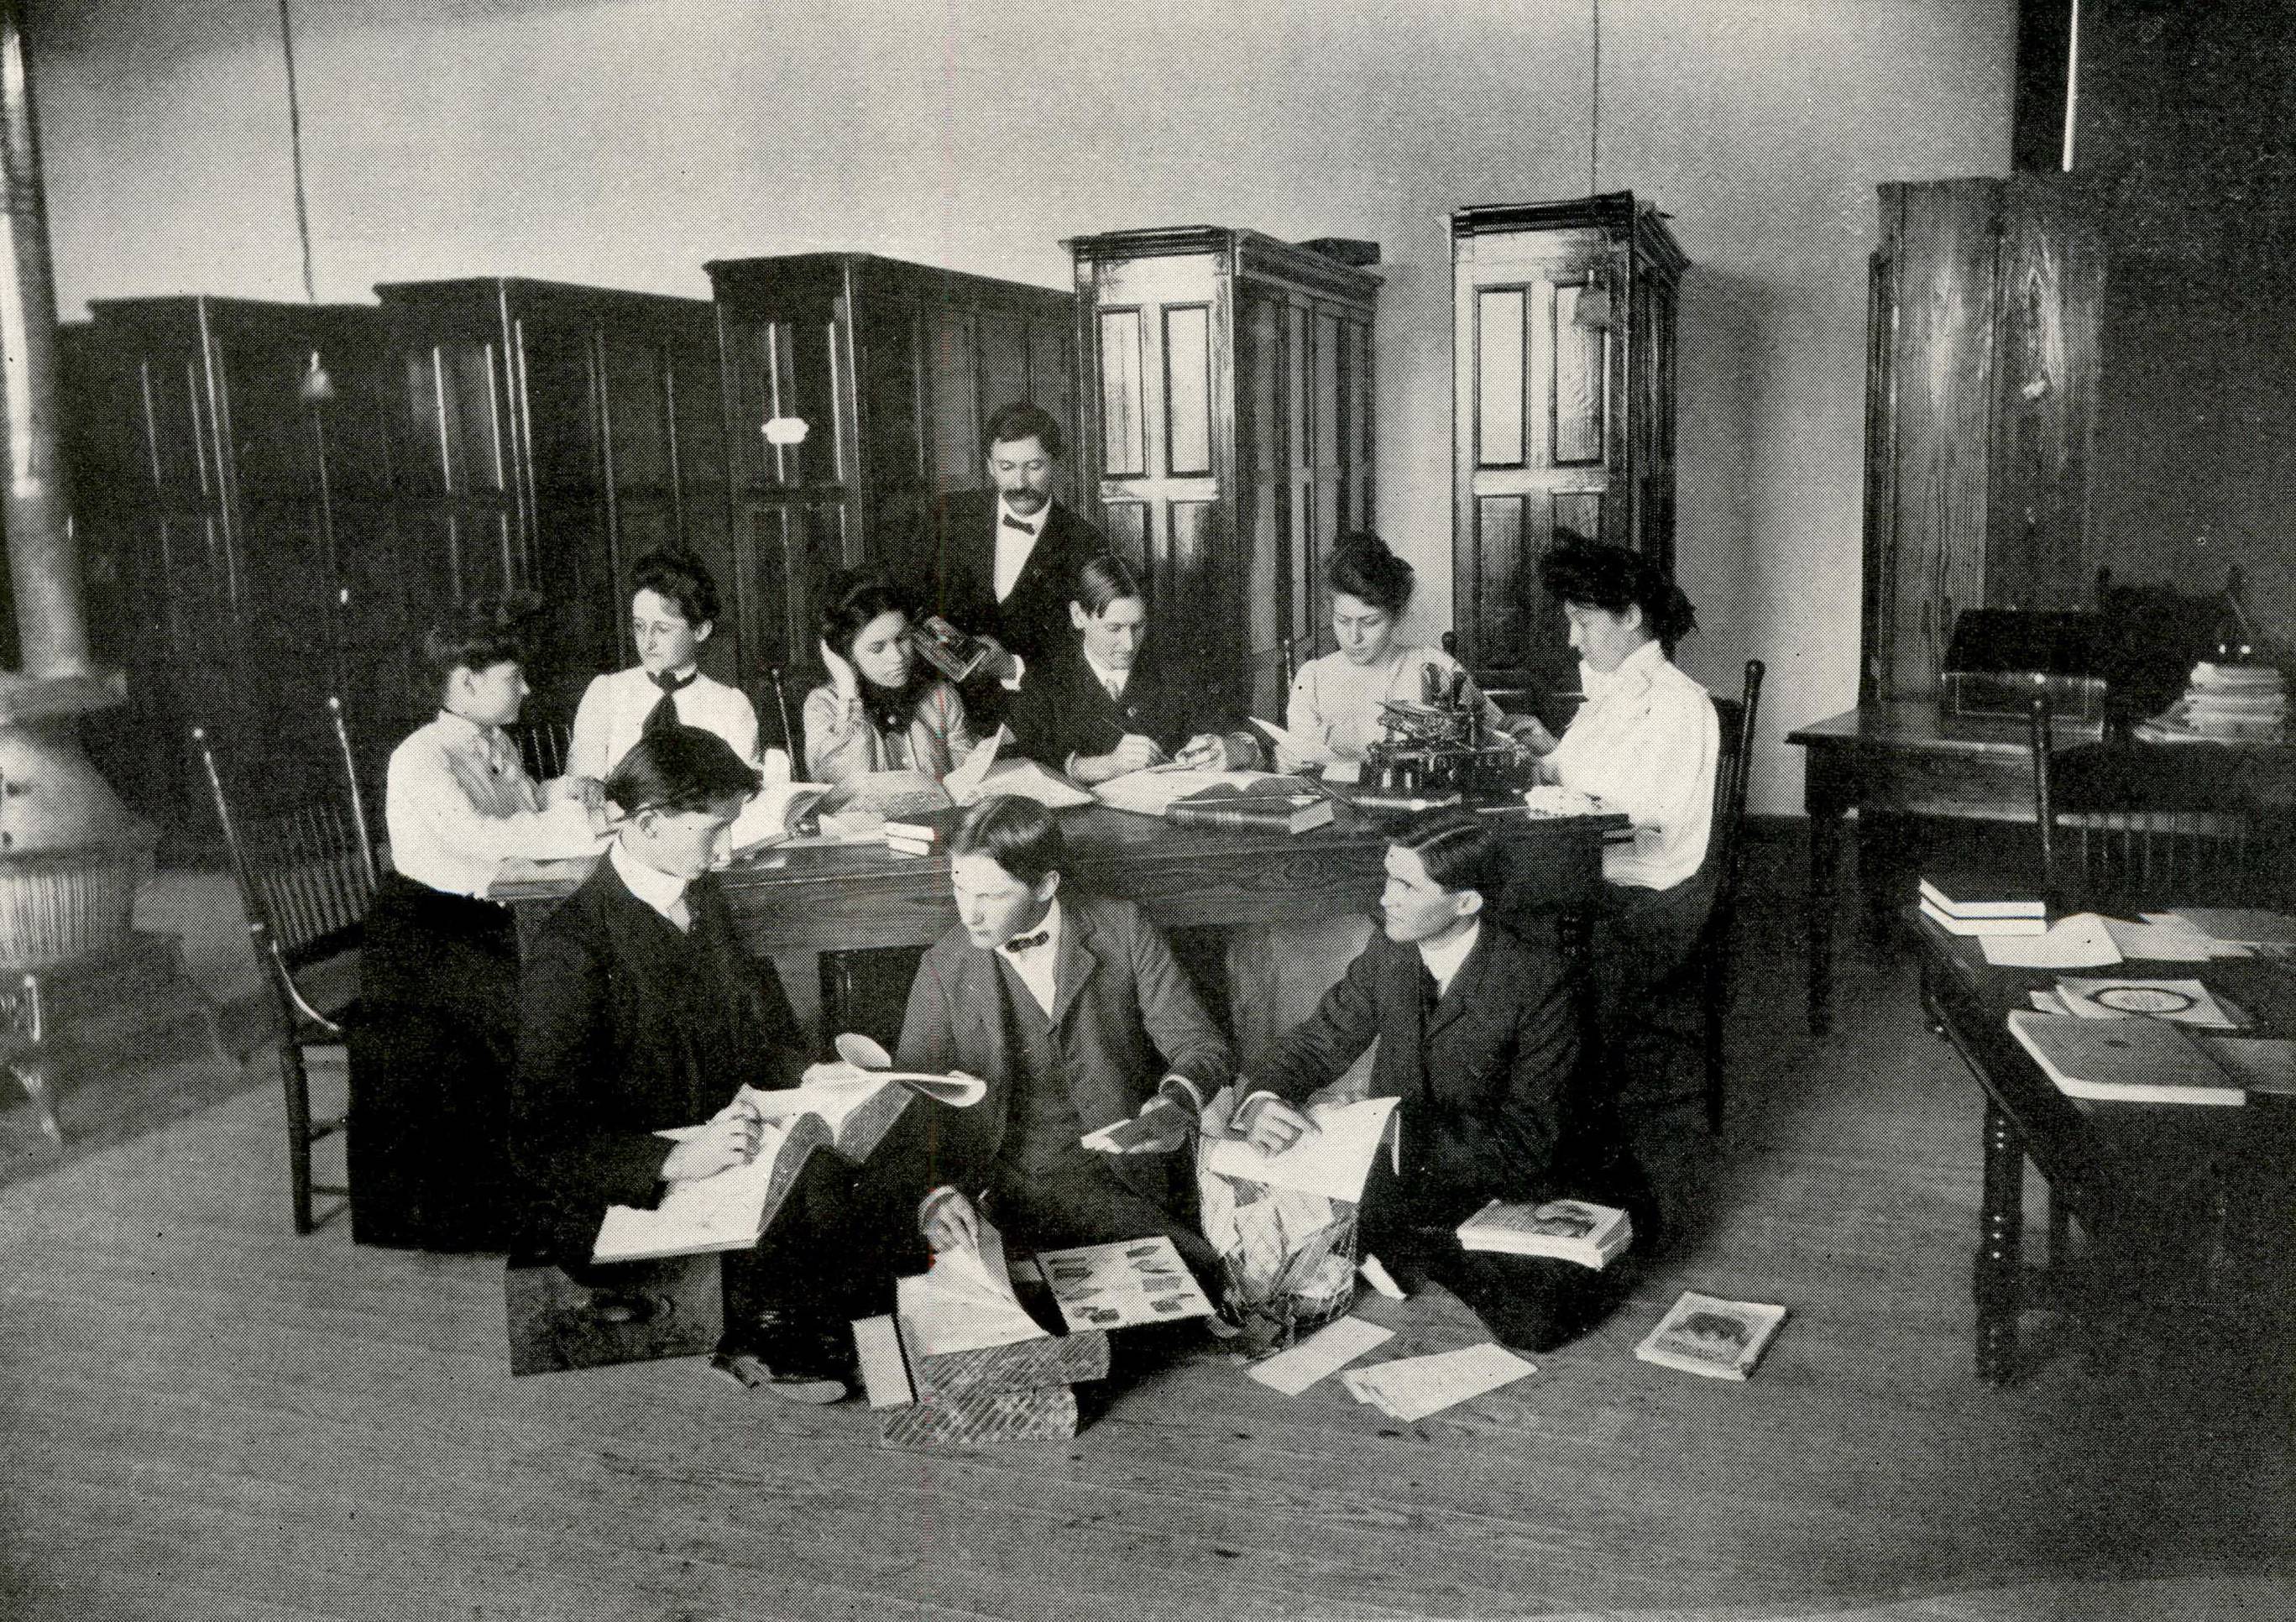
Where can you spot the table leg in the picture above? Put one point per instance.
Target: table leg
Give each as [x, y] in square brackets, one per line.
[1997, 1283]
[1825, 834]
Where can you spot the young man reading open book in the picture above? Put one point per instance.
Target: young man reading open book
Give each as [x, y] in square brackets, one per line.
[1479, 1040]
[1072, 1009]
[641, 1012]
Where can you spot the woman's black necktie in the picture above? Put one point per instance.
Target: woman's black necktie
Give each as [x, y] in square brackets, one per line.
[664, 712]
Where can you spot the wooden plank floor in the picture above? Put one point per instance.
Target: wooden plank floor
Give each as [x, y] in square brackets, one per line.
[206, 1417]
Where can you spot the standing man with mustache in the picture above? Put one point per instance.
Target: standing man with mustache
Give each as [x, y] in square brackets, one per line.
[1001, 561]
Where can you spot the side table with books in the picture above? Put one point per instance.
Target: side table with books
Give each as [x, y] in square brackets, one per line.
[2183, 1207]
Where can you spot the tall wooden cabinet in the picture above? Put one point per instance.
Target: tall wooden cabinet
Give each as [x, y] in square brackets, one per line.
[1563, 376]
[227, 526]
[1228, 398]
[855, 389]
[552, 435]
[1982, 372]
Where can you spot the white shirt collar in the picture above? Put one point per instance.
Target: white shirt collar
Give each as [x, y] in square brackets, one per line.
[1050, 925]
[1034, 526]
[659, 890]
[1104, 674]
[462, 729]
[1443, 961]
[1635, 670]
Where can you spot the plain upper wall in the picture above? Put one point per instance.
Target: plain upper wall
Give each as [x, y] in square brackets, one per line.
[624, 142]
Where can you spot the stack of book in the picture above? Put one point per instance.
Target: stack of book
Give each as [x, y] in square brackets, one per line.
[2226, 704]
[1568, 1230]
[911, 838]
[1990, 909]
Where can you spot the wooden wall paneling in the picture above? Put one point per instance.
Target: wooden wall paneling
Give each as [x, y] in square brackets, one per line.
[1879, 591]
[1563, 359]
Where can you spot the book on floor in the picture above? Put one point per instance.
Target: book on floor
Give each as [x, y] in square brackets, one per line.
[2123, 1061]
[725, 1212]
[1568, 1230]
[1704, 1334]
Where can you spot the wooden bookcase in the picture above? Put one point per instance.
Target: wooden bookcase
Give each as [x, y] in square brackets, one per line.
[875, 376]
[1228, 401]
[1563, 373]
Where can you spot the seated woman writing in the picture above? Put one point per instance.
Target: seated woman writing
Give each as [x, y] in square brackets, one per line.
[883, 708]
[1100, 705]
[1646, 743]
[1477, 1039]
[642, 1010]
[431, 1046]
[1336, 700]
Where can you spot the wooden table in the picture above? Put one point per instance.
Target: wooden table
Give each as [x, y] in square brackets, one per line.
[816, 898]
[1904, 759]
[2141, 1179]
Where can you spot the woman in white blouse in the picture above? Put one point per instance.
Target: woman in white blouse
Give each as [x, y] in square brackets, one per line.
[1646, 743]
[883, 708]
[1335, 699]
[438, 1001]
[673, 610]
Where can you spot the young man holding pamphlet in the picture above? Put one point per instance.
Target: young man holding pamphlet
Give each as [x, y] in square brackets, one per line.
[641, 1015]
[1479, 1042]
[1072, 1009]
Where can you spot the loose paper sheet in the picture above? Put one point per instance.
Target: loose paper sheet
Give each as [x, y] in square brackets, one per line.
[2080, 941]
[1140, 1280]
[1325, 1352]
[1331, 1161]
[1413, 1388]
[965, 1302]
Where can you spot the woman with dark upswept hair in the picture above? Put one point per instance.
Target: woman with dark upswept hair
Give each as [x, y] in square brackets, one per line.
[430, 1042]
[1336, 700]
[883, 708]
[1646, 743]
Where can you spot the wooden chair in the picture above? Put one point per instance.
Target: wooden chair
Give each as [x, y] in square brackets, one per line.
[542, 747]
[792, 738]
[306, 875]
[1733, 767]
[2126, 825]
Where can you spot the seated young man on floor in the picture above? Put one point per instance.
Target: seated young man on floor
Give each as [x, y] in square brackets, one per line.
[1072, 1009]
[1478, 1033]
[642, 1010]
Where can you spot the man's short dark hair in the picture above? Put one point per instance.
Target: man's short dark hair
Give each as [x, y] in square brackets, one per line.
[679, 577]
[1457, 849]
[680, 768]
[1019, 834]
[477, 637]
[1103, 580]
[1024, 419]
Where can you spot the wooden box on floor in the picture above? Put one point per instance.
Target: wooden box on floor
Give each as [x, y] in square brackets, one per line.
[1021, 1392]
[555, 1323]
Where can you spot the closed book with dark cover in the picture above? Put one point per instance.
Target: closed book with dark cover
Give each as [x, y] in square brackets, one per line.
[1280, 810]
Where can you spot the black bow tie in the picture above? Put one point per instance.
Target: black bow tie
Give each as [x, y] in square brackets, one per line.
[664, 712]
[1026, 943]
[1013, 523]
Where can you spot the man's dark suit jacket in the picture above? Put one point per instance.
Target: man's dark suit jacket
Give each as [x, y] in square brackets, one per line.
[625, 1027]
[1062, 710]
[1486, 1079]
[959, 561]
[1124, 1018]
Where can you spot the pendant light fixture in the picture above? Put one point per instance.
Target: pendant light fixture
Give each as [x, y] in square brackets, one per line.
[1593, 309]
